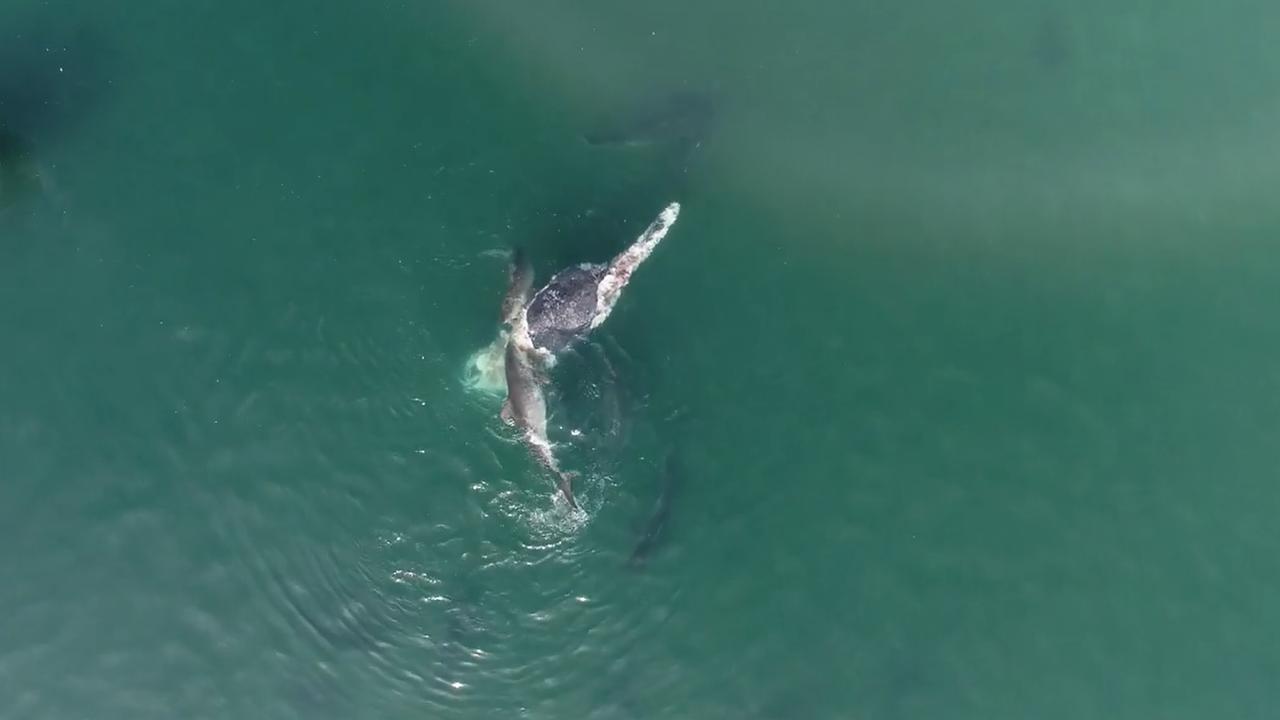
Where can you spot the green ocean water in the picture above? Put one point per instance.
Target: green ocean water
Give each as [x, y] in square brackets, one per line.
[965, 344]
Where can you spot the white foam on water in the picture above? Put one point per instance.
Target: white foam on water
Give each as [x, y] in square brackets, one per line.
[558, 521]
[486, 369]
[499, 253]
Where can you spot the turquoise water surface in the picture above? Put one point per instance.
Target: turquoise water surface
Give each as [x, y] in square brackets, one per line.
[955, 386]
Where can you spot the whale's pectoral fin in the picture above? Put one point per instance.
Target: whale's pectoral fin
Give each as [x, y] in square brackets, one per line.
[625, 263]
[507, 414]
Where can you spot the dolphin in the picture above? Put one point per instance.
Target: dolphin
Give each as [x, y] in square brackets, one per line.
[526, 409]
[682, 118]
[519, 283]
[672, 478]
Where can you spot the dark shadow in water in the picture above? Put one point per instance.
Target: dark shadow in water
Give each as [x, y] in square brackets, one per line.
[673, 126]
[654, 529]
[51, 78]
[682, 118]
[1052, 45]
[20, 176]
[595, 390]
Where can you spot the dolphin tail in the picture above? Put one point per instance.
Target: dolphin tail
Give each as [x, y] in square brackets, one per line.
[564, 479]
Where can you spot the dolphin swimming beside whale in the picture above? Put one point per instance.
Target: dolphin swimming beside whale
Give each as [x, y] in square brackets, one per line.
[519, 284]
[526, 408]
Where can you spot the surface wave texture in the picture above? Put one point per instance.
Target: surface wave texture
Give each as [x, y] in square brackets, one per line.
[952, 394]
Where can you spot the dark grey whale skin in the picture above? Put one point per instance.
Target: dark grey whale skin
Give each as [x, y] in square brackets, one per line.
[562, 311]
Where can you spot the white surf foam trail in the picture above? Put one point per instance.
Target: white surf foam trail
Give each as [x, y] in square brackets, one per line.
[485, 370]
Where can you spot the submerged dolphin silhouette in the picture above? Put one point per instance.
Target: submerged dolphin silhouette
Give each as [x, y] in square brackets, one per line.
[519, 283]
[672, 479]
[682, 118]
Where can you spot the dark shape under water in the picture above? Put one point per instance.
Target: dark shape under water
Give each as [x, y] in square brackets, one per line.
[683, 118]
[595, 397]
[19, 176]
[1052, 44]
[653, 531]
[50, 75]
[519, 285]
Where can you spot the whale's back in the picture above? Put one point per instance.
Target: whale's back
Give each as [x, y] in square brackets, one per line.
[563, 310]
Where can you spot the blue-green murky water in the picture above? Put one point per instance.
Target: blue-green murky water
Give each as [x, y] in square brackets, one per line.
[965, 344]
